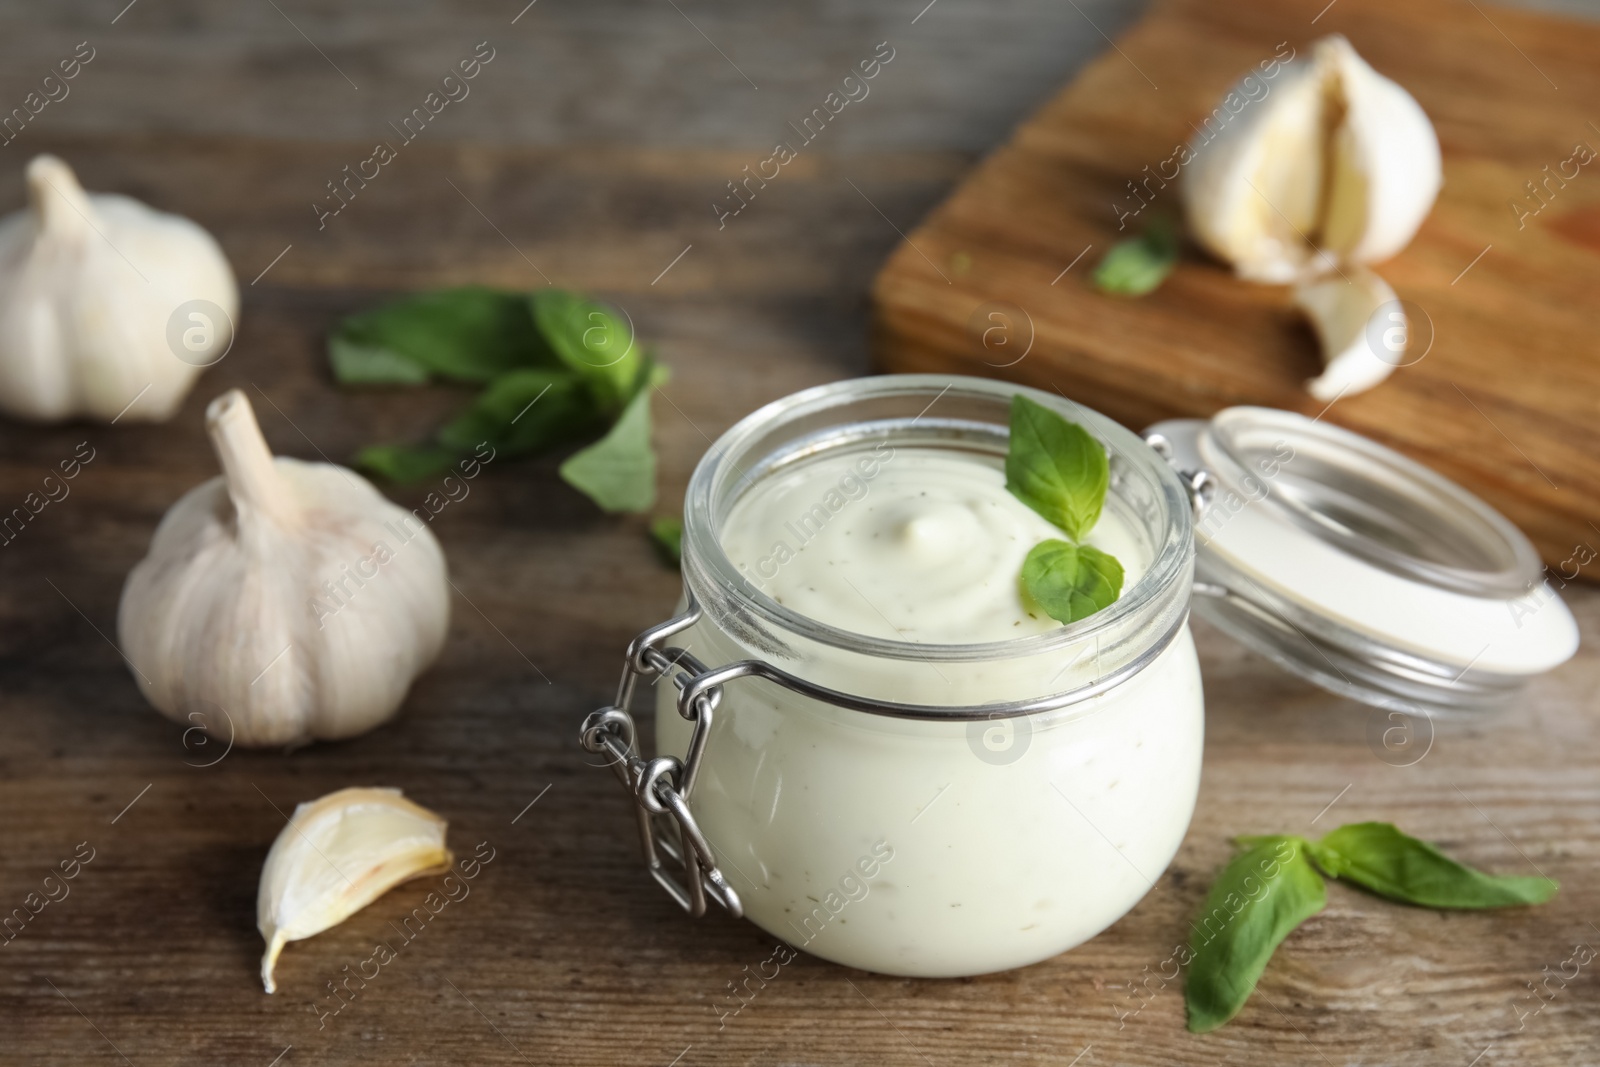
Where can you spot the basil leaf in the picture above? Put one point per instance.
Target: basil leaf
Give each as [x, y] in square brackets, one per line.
[1257, 900]
[524, 412]
[618, 472]
[1139, 265]
[558, 369]
[1056, 467]
[1379, 857]
[357, 363]
[667, 535]
[406, 463]
[1071, 582]
[591, 342]
[470, 334]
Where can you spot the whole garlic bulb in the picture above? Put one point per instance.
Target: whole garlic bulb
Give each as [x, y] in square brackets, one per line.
[98, 295]
[283, 601]
[1333, 164]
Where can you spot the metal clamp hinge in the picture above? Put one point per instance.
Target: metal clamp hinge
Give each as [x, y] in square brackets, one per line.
[1198, 484]
[682, 862]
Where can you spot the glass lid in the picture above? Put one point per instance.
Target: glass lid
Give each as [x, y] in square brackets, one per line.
[1359, 569]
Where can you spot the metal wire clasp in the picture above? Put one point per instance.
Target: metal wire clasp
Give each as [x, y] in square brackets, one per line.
[1200, 485]
[661, 787]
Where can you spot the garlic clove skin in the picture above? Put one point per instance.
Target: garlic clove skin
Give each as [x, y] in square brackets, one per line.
[1333, 164]
[337, 855]
[283, 602]
[1253, 189]
[89, 284]
[1340, 310]
[1384, 161]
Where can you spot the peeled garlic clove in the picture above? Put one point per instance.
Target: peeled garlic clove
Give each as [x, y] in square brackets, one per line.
[1328, 163]
[1340, 309]
[337, 855]
[98, 295]
[1384, 160]
[284, 601]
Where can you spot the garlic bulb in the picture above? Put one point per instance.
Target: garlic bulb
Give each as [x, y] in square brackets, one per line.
[108, 308]
[337, 855]
[1333, 163]
[284, 601]
[1342, 310]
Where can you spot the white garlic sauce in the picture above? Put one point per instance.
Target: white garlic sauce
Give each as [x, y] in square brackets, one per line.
[932, 848]
[908, 544]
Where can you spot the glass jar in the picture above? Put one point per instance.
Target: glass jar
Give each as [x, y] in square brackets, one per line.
[943, 810]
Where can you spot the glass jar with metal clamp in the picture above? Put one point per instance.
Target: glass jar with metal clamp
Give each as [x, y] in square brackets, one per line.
[944, 809]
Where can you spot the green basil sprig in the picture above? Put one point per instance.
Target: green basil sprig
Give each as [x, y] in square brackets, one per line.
[666, 533]
[556, 369]
[1256, 902]
[1058, 469]
[1274, 885]
[1382, 860]
[1071, 581]
[469, 335]
[618, 472]
[1139, 265]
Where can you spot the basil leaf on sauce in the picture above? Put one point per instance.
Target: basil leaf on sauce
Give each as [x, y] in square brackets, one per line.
[1071, 582]
[1379, 857]
[1257, 901]
[1056, 467]
[1139, 265]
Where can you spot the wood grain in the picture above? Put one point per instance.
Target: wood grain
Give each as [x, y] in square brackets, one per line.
[565, 953]
[1506, 400]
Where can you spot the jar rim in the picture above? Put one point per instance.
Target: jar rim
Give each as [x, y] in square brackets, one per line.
[705, 560]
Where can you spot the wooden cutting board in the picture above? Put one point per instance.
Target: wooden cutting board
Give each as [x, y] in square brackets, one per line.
[1506, 400]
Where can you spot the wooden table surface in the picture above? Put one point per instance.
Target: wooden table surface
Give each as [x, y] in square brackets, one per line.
[591, 152]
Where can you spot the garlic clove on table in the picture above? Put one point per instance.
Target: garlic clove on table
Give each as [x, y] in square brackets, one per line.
[1333, 163]
[337, 855]
[283, 602]
[1342, 309]
[99, 295]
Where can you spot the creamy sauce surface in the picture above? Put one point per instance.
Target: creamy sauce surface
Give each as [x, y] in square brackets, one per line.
[909, 544]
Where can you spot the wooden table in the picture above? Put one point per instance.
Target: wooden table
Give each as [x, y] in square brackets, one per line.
[597, 142]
